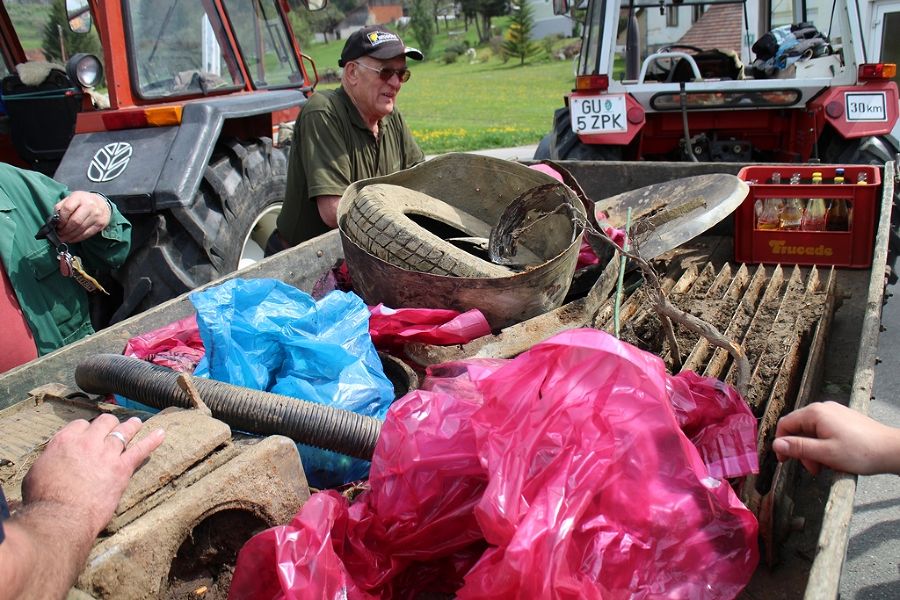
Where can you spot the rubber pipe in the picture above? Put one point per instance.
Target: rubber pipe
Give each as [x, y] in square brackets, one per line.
[242, 408]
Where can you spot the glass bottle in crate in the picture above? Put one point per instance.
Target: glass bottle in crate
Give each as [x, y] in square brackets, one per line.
[862, 178]
[838, 216]
[769, 216]
[814, 215]
[792, 213]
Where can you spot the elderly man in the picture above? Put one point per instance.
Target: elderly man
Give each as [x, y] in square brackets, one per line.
[347, 134]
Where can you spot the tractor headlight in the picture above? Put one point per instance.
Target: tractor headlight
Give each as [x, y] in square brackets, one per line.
[85, 70]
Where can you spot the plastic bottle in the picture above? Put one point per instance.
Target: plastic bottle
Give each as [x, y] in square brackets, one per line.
[814, 215]
[792, 213]
[769, 216]
[838, 216]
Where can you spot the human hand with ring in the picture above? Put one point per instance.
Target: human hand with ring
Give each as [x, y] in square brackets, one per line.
[87, 466]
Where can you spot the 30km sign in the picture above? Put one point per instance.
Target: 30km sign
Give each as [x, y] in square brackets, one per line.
[598, 114]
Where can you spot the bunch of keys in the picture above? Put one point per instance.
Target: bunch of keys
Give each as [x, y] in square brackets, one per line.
[69, 264]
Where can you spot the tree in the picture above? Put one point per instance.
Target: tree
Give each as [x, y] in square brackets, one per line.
[518, 36]
[60, 42]
[442, 8]
[482, 11]
[326, 21]
[420, 19]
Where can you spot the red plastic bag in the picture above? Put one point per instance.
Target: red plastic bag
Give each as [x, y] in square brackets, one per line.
[718, 421]
[568, 462]
[594, 490]
[390, 328]
[177, 345]
[414, 527]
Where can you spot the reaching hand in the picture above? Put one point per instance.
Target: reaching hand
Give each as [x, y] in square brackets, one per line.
[86, 467]
[81, 215]
[831, 435]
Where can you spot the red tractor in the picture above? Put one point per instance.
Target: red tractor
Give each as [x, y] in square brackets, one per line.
[187, 143]
[726, 80]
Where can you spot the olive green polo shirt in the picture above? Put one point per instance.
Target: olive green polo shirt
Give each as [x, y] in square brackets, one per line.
[332, 148]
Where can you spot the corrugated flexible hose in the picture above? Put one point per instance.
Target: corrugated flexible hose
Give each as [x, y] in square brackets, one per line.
[242, 408]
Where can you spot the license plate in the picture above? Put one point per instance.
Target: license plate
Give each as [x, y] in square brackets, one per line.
[598, 114]
[866, 106]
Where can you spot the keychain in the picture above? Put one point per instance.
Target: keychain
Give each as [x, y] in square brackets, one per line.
[69, 264]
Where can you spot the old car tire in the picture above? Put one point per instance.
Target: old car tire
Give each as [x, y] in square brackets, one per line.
[380, 220]
[565, 145]
[182, 248]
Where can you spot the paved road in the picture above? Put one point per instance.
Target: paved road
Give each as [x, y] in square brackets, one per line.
[872, 570]
[518, 153]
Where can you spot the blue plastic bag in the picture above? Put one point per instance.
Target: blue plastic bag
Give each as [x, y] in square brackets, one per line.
[267, 335]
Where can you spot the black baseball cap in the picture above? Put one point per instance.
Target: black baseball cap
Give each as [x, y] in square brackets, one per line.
[377, 42]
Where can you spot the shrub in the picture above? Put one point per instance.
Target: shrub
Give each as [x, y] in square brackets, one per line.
[450, 56]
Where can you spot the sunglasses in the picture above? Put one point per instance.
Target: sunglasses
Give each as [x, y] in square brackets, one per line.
[385, 74]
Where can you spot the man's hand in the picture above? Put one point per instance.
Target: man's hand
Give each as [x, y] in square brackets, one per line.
[831, 435]
[86, 468]
[68, 497]
[82, 215]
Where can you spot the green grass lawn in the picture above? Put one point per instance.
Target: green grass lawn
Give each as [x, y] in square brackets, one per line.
[460, 106]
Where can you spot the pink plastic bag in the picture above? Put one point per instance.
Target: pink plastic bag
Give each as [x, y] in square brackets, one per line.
[595, 491]
[177, 345]
[390, 328]
[718, 421]
[568, 462]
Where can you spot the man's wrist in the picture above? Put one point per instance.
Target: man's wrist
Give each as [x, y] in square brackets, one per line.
[109, 205]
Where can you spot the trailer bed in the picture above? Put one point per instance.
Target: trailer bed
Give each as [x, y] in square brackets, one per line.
[810, 559]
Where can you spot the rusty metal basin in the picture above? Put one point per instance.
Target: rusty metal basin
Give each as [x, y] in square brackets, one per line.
[480, 188]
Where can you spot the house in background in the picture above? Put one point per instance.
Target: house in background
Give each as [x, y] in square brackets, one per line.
[546, 23]
[373, 12]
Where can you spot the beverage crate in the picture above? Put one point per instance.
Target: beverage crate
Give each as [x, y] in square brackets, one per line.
[851, 248]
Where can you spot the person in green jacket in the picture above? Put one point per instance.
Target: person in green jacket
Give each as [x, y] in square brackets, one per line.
[41, 308]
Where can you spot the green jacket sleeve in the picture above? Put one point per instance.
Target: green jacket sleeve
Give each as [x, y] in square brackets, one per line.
[109, 248]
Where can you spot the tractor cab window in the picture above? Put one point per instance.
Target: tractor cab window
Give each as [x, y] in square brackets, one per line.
[667, 31]
[178, 49]
[44, 32]
[264, 43]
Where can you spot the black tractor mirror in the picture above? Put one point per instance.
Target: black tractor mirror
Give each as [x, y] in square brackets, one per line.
[560, 7]
[316, 4]
[79, 15]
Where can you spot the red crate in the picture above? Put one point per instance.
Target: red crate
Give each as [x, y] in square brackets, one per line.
[839, 248]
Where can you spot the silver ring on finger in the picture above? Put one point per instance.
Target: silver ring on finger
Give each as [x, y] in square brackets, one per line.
[118, 435]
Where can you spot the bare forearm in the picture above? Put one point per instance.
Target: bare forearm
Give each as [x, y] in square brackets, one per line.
[46, 546]
[891, 454]
[328, 206]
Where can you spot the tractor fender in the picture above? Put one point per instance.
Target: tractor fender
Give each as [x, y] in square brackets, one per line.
[156, 168]
[835, 104]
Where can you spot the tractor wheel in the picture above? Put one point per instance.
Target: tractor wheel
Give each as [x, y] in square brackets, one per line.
[871, 151]
[409, 229]
[224, 228]
[563, 143]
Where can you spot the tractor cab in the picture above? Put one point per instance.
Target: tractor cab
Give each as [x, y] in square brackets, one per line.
[159, 53]
[176, 110]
